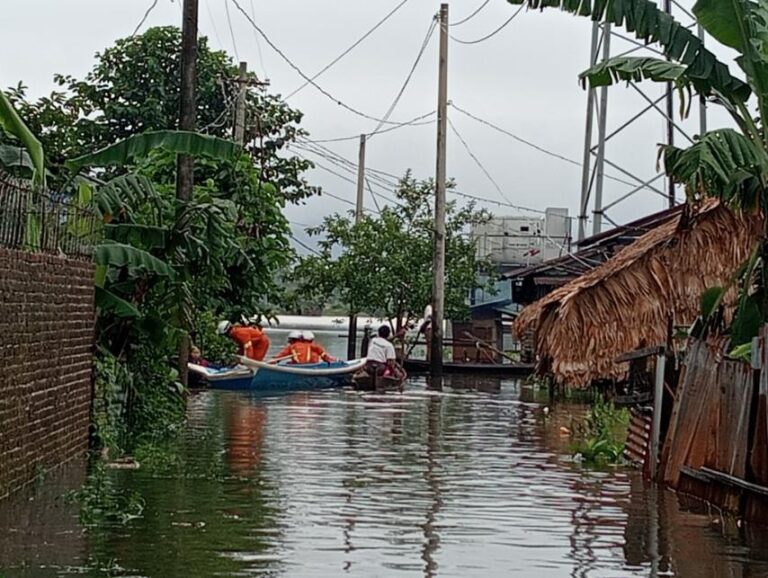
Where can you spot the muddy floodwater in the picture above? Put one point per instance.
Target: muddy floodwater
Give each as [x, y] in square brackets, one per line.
[473, 480]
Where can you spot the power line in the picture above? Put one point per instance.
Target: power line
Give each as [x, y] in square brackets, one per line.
[307, 247]
[388, 179]
[373, 195]
[231, 31]
[350, 49]
[213, 24]
[258, 43]
[535, 146]
[300, 72]
[144, 18]
[471, 16]
[416, 121]
[492, 34]
[408, 78]
[386, 186]
[477, 161]
[342, 177]
[515, 137]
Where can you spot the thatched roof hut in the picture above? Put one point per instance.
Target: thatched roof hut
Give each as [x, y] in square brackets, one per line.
[627, 302]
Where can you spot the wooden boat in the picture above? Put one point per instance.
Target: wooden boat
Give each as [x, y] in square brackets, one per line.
[260, 376]
[364, 381]
[503, 369]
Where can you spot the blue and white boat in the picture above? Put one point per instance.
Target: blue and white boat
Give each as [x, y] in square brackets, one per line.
[260, 376]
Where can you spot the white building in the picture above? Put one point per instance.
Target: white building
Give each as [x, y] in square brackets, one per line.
[516, 240]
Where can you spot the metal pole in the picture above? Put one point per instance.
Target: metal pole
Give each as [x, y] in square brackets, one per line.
[702, 101]
[185, 167]
[658, 402]
[438, 270]
[670, 99]
[601, 125]
[587, 159]
[242, 81]
[352, 333]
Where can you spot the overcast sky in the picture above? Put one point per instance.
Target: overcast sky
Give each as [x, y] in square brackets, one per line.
[523, 79]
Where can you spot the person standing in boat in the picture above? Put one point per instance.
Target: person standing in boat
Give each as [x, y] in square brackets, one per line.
[253, 342]
[382, 358]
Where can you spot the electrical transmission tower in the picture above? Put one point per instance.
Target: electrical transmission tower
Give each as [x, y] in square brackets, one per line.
[598, 135]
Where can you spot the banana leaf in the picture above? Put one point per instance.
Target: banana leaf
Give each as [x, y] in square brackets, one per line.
[141, 145]
[12, 123]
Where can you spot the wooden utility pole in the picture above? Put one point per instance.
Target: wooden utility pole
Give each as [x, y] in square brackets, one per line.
[185, 164]
[242, 84]
[438, 268]
[352, 335]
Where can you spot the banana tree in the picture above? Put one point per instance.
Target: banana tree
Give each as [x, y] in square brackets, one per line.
[728, 163]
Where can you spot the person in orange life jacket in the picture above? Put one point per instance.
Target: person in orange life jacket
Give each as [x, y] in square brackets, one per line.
[253, 341]
[289, 351]
[302, 349]
[317, 351]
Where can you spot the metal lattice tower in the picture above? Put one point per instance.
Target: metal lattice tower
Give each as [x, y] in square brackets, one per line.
[598, 135]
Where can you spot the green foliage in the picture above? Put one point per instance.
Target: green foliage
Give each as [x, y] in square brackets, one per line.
[112, 383]
[103, 502]
[141, 145]
[133, 89]
[11, 122]
[601, 438]
[383, 265]
[214, 347]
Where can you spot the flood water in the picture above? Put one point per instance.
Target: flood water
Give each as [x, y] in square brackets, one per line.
[473, 480]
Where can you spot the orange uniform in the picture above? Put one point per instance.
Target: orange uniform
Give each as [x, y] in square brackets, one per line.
[304, 352]
[252, 341]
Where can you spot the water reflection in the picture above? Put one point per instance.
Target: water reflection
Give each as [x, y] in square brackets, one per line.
[469, 479]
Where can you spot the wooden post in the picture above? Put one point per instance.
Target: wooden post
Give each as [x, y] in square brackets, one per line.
[438, 269]
[185, 167]
[658, 404]
[352, 334]
[242, 83]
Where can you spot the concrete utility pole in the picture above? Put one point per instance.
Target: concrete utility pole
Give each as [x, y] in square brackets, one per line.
[352, 335]
[242, 83]
[438, 269]
[187, 112]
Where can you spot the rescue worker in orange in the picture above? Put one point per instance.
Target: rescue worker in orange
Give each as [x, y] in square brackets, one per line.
[253, 342]
[302, 349]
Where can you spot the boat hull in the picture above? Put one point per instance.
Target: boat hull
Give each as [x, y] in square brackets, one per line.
[258, 376]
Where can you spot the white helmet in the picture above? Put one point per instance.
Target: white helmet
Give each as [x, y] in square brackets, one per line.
[307, 335]
[223, 327]
[294, 335]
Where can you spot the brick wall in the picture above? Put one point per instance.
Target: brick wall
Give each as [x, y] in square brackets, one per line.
[46, 342]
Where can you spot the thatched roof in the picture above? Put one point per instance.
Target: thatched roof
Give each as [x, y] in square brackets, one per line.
[627, 302]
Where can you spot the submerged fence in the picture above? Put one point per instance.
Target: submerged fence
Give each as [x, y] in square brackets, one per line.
[40, 221]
